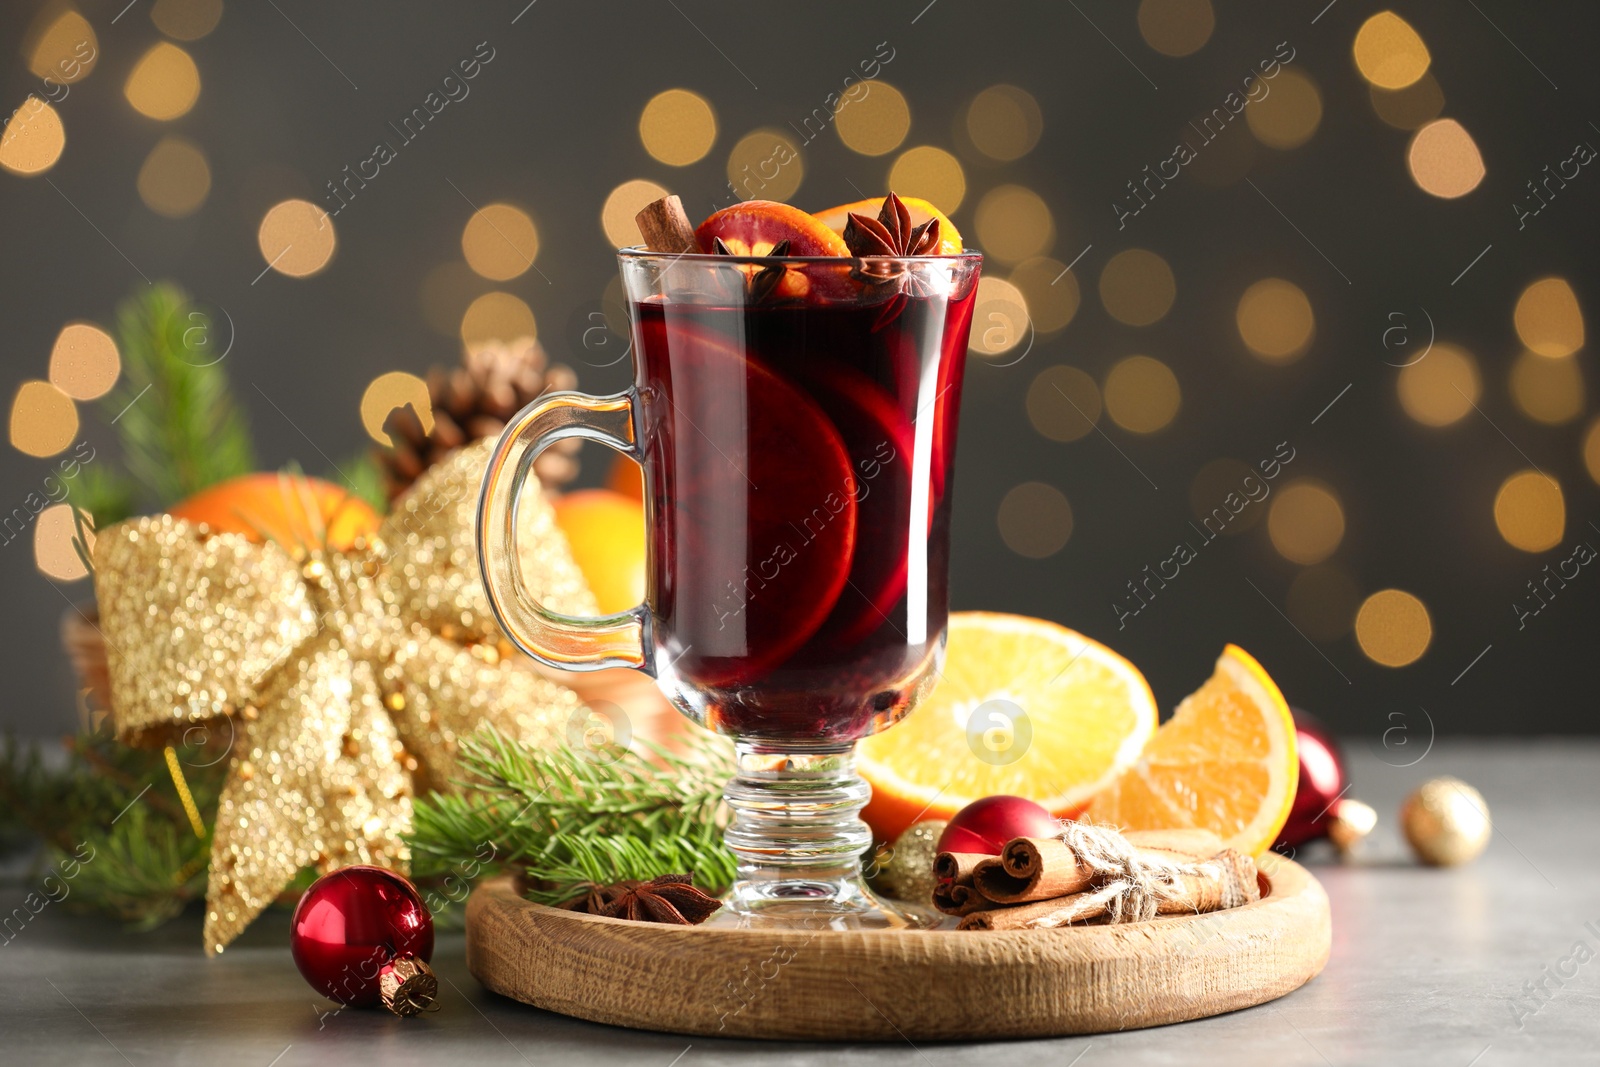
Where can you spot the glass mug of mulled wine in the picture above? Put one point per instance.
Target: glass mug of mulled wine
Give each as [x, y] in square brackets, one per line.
[795, 419]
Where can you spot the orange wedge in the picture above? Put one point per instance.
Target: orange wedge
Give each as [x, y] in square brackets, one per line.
[1023, 707]
[921, 211]
[1225, 761]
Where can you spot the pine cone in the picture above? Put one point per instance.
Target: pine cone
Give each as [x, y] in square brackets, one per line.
[476, 400]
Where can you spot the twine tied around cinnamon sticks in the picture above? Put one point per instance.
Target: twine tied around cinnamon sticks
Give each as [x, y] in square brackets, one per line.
[1091, 872]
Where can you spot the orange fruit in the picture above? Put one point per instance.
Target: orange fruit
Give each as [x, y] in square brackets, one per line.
[276, 507]
[1225, 761]
[606, 532]
[756, 227]
[921, 211]
[1023, 707]
[760, 227]
[626, 478]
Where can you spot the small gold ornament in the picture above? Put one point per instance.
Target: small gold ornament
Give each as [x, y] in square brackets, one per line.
[1352, 821]
[907, 869]
[341, 681]
[1446, 821]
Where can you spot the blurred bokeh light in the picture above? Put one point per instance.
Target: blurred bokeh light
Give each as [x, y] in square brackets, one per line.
[1004, 122]
[396, 389]
[1547, 390]
[1305, 521]
[1063, 403]
[1176, 27]
[1444, 159]
[1137, 287]
[497, 316]
[1389, 53]
[1287, 116]
[500, 242]
[1014, 224]
[1530, 511]
[999, 317]
[44, 420]
[1275, 320]
[678, 127]
[876, 123]
[175, 178]
[33, 138]
[932, 174]
[1548, 318]
[296, 238]
[164, 84]
[1441, 387]
[53, 551]
[1035, 520]
[1393, 628]
[765, 164]
[622, 205]
[84, 363]
[186, 20]
[1142, 394]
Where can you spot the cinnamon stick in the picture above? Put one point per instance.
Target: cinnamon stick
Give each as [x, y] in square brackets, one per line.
[1042, 868]
[1226, 880]
[666, 227]
[953, 892]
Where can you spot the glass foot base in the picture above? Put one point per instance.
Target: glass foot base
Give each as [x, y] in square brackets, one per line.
[820, 904]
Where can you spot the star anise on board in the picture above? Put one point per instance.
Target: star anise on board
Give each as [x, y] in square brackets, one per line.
[759, 285]
[671, 898]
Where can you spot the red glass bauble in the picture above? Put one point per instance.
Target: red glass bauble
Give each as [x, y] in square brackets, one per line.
[351, 925]
[1322, 780]
[984, 826]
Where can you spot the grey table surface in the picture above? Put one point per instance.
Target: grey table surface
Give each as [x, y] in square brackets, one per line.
[1428, 967]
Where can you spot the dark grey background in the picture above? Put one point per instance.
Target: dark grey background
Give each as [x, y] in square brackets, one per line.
[551, 124]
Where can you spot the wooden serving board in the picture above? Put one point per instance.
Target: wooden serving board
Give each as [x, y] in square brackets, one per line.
[891, 985]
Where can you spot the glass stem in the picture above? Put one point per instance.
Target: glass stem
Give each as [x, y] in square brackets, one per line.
[796, 816]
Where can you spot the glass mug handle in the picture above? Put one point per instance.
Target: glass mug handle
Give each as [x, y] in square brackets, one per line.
[561, 641]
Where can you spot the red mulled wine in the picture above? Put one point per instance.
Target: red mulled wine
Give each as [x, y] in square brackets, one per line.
[799, 455]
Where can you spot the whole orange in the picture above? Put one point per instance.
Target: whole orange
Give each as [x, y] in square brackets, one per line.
[276, 507]
[626, 478]
[606, 531]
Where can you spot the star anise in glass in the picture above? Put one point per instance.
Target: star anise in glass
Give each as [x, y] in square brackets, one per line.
[759, 284]
[891, 235]
[671, 898]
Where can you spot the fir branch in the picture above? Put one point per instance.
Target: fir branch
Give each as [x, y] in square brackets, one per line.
[568, 819]
[180, 428]
[110, 814]
[364, 478]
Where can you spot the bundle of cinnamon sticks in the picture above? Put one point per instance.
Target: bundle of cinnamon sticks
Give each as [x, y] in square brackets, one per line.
[1093, 874]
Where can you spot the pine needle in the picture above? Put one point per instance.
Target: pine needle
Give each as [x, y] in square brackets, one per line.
[180, 428]
[568, 819]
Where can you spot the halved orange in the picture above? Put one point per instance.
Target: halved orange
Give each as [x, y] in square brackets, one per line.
[835, 219]
[759, 227]
[1225, 761]
[1023, 707]
[756, 227]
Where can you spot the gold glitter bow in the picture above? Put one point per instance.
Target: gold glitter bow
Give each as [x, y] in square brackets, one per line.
[347, 676]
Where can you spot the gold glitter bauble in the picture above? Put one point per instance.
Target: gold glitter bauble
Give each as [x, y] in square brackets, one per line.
[907, 872]
[342, 680]
[1446, 821]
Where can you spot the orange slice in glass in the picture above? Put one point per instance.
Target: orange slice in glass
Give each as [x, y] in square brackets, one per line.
[1225, 762]
[1023, 707]
[921, 211]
